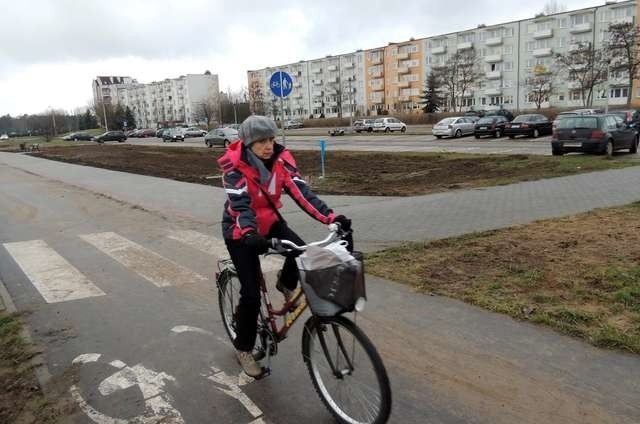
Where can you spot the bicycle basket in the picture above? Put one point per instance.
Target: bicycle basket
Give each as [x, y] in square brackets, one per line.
[332, 282]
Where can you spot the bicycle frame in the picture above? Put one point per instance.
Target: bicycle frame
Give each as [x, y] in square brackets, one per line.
[272, 313]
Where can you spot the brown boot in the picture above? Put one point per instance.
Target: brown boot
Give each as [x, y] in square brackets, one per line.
[248, 364]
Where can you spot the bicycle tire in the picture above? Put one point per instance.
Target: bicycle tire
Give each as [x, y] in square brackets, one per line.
[228, 298]
[342, 336]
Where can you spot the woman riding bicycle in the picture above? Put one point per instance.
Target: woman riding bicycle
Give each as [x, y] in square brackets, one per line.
[255, 171]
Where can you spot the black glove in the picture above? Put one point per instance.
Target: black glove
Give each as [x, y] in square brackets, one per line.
[345, 223]
[256, 241]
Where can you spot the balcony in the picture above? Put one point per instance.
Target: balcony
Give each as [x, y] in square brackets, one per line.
[332, 80]
[376, 60]
[493, 91]
[403, 84]
[331, 68]
[377, 99]
[495, 41]
[403, 70]
[349, 65]
[468, 94]
[493, 58]
[577, 29]
[573, 85]
[402, 56]
[545, 33]
[491, 75]
[377, 87]
[465, 46]
[317, 93]
[404, 98]
[316, 70]
[439, 50]
[317, 82]
[438, 65]
[542, 52]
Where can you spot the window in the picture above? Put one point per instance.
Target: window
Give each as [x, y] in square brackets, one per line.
[508, 100]
[507, 32]
[580, 19]
[620, 92]
[507, 66]
[508, 50]
[561, 97]
[575, 95]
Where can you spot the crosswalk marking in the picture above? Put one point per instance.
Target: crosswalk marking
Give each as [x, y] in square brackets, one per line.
[216, 247]
[55, 278]
[157, 269]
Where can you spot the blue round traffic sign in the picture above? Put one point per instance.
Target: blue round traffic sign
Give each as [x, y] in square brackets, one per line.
[281, 84]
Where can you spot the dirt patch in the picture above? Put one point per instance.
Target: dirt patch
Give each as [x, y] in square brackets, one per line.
[22, 400]
[352, 173]
[579, 275]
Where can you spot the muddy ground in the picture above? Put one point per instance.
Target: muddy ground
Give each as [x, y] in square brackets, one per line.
[351, 173]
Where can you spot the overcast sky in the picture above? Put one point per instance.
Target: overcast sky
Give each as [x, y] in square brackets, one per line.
[51, 50]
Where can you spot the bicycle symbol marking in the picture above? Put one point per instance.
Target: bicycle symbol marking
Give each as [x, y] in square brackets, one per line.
[157, 404]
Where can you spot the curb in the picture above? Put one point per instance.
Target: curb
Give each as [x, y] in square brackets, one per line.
[41, 370]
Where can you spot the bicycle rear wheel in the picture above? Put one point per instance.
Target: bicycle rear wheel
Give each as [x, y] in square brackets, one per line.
[346, 370]
[228, 299]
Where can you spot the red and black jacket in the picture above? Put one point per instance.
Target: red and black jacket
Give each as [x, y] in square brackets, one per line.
[246, 208]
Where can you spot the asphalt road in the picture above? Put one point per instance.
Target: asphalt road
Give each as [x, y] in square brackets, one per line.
[126, 293]
[395, 143]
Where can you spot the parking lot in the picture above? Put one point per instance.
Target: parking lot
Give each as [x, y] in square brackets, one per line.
[394, 142]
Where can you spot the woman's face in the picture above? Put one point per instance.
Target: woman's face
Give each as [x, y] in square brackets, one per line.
[263, 148]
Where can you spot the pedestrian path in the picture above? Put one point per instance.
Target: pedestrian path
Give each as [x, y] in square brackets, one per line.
[57, 279]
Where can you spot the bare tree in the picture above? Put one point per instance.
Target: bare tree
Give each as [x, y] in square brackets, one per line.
[256, 98]
[458, 75]
[624, 52]
[539, 85]
[586, 66]
[207, 110]
[552, 7]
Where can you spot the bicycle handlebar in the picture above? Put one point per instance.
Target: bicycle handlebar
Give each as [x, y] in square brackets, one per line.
[279, 245]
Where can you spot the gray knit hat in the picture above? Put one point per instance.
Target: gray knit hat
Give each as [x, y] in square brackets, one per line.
[256, 128]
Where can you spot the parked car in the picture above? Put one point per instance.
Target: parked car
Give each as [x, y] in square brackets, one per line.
[500, 112]
[454, 127]
[160, 131]
[569, 113]
[172, 134]
[118, 136]
[630, 116]
[193, 132]
[78, 136]
[336, 131]
[145, 132]
[233, 126]
[474, 113]
[532, 125]
[292, 123]
[220, 136]
[599, 133]
[490, 125]
[4, 137]
[389, 125]
[365, 124]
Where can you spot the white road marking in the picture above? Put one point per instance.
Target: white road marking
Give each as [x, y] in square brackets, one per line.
[179, 329]
[158, 406]
[232, 389]
[157, 269]
[55, 278]
[87, 358]
[216, 247]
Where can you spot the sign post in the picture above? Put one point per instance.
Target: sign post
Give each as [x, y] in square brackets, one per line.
[323, 147]
[281, 86]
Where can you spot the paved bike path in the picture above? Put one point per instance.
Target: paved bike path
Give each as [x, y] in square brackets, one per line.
[381, 221]
[465, 364]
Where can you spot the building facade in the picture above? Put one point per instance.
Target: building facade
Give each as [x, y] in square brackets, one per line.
[391, 79]
[170, 102]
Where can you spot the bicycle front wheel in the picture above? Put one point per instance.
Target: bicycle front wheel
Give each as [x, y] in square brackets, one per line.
[346, 370]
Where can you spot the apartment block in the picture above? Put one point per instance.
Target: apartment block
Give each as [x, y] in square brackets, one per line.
[160, 103]
[391, 79]
[327, 87]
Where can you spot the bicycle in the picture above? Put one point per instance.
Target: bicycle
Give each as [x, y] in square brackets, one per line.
[333, 348]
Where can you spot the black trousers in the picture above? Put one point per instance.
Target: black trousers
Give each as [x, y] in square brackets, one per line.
[247, 263]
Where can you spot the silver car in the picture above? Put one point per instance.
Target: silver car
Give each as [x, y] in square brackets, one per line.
[220, 137]
[456, 126]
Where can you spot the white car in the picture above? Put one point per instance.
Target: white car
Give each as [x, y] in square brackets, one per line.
[456, 126]
[389, 125]
[292, 123]
[4, 137]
